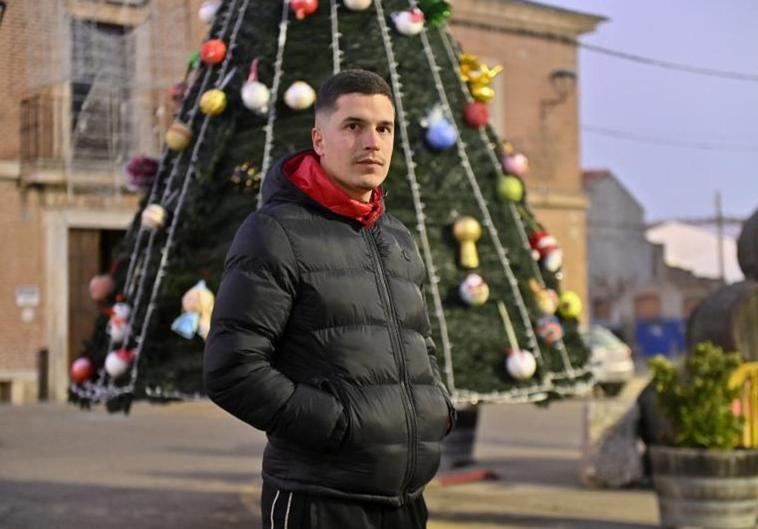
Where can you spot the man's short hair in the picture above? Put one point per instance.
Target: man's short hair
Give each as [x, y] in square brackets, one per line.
[350, 82]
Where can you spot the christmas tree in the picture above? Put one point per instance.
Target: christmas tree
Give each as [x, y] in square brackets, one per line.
[493, 273]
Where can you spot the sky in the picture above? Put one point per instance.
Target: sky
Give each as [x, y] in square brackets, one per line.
[651, 102]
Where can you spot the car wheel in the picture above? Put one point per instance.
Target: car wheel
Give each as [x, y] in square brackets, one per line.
[612, 389]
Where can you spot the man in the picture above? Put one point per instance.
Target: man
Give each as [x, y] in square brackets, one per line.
[320, 335]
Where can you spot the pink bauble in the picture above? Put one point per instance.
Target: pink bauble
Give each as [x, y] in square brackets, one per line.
[474, 291]
[100, 287]
[516, 164]
[81, 370]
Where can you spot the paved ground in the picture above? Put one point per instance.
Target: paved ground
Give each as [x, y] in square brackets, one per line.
[191, 466]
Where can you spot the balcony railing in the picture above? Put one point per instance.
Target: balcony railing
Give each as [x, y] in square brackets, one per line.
[84, 144]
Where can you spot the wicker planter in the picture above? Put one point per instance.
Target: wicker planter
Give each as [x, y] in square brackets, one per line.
[709, 489]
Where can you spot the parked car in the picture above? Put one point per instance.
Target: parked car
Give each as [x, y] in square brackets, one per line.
[610, 359]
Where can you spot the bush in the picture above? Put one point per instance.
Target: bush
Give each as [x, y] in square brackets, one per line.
[697, 400]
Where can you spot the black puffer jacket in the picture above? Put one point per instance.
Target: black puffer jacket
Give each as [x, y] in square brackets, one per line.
[320, 337]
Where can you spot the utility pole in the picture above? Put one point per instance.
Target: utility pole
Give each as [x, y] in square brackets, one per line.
[720, 233]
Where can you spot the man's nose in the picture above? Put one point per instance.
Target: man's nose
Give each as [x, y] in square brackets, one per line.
[371, 140]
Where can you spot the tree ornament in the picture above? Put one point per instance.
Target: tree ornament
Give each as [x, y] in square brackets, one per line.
[140, 173]
[213, 51]
[553, 260]
[246, 177]
[118, 322]
[177, 91]
[476, 115]
[197, 306]
[409, 22]
[546, 250]
[178, 136]
[467, 231]
[100, 287]
[521, 365]
[207, 11]
[570, 306]
[213, 102]
[153, 217]
[516, 164]
[303, 8]
[545, 298]
[82, 370]
[299, 95]
[436, 12]
[118, 362]
[510, 188]
[440, 133]
[474, 291]
[358, 5]
[550, 330]
[478, 76]
[255, 95]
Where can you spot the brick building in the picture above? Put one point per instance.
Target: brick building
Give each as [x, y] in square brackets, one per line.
[78, 102]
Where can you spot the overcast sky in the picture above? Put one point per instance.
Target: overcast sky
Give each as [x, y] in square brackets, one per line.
[652, 102]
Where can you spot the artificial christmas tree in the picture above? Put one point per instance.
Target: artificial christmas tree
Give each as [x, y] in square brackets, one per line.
[248, 103]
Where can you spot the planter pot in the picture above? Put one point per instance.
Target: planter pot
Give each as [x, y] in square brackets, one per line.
[710, 489]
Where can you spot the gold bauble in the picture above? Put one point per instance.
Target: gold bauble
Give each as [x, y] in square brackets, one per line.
[213, 102]
[178, 136]
[482, 93]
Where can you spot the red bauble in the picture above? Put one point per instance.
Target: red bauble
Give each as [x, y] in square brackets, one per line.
[213, 51]
[303, 8]
[476, 114]
[81, 370]
[543, 243]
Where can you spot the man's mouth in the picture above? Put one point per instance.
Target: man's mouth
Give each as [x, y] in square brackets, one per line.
[370, 162]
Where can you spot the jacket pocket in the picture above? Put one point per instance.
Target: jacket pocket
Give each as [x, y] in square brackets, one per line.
[334, 387]
[452, 414]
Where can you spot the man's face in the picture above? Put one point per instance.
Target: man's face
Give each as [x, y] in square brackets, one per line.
[354, 142]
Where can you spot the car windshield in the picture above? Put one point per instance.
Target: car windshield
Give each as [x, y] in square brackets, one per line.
[601, 337]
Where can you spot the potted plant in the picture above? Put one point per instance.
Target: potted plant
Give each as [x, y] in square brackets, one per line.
[701, 475]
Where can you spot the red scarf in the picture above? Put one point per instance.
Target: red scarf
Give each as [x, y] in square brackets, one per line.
[305, 171]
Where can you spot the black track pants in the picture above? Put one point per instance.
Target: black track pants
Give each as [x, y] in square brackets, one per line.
[281, 509]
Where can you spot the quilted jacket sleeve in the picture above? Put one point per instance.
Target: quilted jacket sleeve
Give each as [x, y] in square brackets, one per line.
[252, 307]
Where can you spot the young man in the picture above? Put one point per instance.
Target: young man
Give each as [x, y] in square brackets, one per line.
[320, 335]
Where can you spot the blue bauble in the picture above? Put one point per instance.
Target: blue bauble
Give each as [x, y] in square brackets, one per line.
[441, 135]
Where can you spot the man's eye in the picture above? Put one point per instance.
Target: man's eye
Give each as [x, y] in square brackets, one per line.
[384, 130]
[352, 126]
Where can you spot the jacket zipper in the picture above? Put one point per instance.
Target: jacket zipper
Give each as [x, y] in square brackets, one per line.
[398, 353]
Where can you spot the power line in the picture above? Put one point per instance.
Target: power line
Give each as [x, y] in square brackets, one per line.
[701, 145]
[562, 39]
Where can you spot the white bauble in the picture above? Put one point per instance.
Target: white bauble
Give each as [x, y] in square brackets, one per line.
[299, 96]
[553, 260]
[117, 363]
[521, 364]
[153, 217]
[207, 11]
[255, 96]
[410, 22]
[357, 5]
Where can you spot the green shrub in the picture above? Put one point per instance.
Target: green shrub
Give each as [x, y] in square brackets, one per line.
[697, 399]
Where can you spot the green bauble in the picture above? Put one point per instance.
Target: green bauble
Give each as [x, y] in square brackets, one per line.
[436, 12]
[510, 188]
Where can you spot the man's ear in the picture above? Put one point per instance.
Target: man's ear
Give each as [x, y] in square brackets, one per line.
[317, 138]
